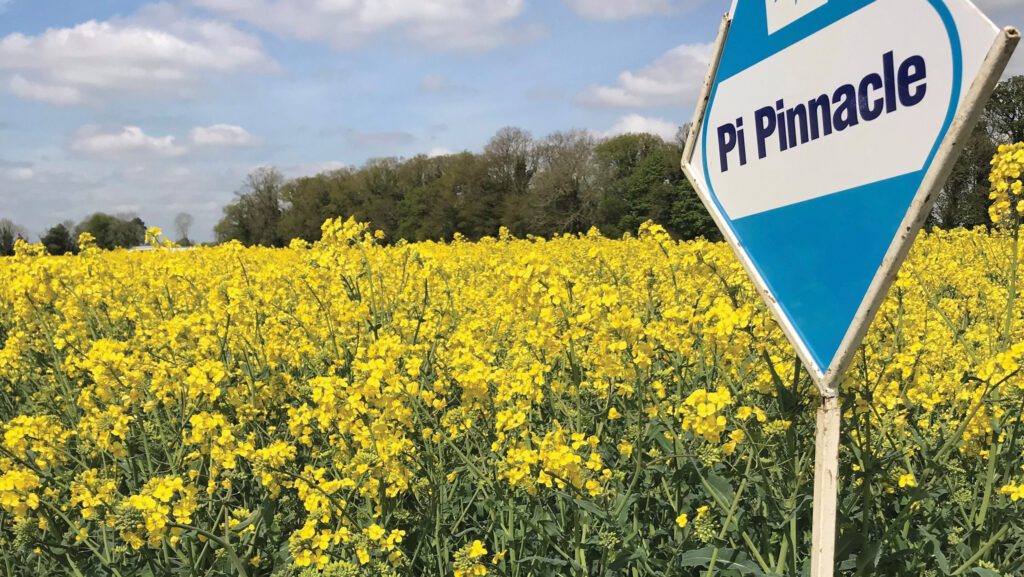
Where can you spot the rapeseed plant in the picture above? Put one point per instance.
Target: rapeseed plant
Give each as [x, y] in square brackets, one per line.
[579, 405]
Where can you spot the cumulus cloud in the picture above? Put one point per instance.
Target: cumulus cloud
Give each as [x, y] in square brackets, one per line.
[674, 79]
[93, 141]
[634, 124]
[222, 135]
[156, 52]
[453, 25]
[618, 9]
[58, 95]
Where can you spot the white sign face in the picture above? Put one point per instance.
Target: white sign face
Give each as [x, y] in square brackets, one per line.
[824, 117]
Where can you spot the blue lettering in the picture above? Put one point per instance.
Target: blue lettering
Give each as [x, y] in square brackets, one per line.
[726, 142]
[765, 121]
[867, 100]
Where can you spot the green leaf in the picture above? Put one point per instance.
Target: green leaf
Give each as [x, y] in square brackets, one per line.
[624, 513]
[940, 558]
[590, 507]
[721, 486]
[849, 543]
[869, 557]
[985, 572]
[728, 560]
[544, 560]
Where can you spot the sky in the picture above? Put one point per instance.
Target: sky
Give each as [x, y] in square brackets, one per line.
[158, 108]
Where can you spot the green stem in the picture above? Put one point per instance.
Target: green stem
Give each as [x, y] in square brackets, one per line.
[729, 517]
[1012, 295]
[982, 550]
[990, 474]
[228, 549]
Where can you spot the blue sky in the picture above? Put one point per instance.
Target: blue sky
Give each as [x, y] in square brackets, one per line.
[158, 108]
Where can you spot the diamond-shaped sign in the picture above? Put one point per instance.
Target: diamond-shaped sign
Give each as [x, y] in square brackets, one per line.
[819, 140]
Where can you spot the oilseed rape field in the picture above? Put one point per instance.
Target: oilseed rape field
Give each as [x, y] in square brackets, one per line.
[513, 407]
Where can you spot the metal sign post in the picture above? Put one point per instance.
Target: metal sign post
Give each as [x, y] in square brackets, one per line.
[824, 131]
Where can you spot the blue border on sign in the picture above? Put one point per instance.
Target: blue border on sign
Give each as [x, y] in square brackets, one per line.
[957, 52]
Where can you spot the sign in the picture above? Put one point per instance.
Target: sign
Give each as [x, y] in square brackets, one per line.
[819, 142]
[823, 133]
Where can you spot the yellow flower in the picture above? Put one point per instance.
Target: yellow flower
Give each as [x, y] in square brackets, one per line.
[477, 550]
[613, 414]
[375, 532]
[1014, 491]
[682, 520]
[625, 448]
[908, 480]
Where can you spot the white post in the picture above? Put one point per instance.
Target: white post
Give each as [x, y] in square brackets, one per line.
[826, 487]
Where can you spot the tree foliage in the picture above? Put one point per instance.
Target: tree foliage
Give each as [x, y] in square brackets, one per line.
[112, 231]
[58, 240]
[9, 234]
[1004, 113]
[254, 216]
[567, 182]
[964, 200]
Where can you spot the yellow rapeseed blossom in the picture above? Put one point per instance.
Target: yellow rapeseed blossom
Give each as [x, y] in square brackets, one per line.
[334, 393]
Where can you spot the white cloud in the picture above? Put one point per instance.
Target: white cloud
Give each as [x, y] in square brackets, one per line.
[440, 151]
[222, 135]
[453, 25]
[618, 9]
[157, 52]
[634, 124]
[51, 94]
[674, 79]
[93, 141]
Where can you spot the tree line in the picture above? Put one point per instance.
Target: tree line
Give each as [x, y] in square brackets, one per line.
[567, 182]
[108, 231]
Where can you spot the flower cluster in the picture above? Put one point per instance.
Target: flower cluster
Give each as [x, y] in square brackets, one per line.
[1006, 195]
[580, 404]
